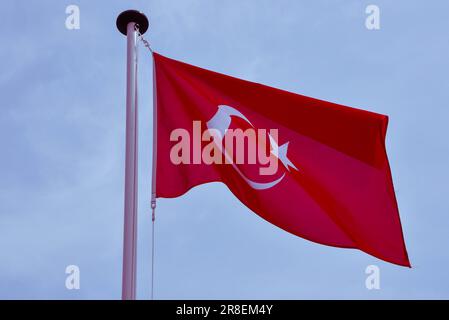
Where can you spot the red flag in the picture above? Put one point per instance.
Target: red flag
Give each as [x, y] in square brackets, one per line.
[313, 168]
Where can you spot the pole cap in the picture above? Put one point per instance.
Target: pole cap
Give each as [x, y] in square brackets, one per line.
[132, 16]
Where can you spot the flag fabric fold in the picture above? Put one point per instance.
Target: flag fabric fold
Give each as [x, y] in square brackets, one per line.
[327, 178]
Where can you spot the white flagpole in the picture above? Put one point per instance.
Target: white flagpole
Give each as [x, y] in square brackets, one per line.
[126, 24]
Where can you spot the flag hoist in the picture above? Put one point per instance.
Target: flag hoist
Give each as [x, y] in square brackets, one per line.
[331, 181]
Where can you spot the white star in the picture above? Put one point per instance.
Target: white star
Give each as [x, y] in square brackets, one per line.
[280, 152]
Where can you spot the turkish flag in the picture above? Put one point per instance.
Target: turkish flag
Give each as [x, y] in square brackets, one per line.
[332, 183]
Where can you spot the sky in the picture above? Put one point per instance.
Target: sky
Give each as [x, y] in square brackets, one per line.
[62, 130]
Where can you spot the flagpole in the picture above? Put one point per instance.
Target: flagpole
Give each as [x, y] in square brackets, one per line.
[126, 24]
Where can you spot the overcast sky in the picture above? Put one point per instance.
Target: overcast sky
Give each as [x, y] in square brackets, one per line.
[62, 146]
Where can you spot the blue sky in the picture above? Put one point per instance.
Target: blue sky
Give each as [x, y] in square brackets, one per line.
[62, 141]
